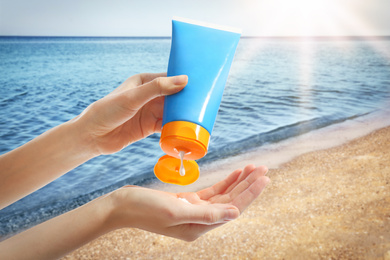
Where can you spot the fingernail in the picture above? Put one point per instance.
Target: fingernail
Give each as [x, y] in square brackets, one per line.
[180, 80]
[231, 214]
[266, 170]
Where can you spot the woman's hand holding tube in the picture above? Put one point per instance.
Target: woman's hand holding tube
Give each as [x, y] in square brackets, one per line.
[131, 112]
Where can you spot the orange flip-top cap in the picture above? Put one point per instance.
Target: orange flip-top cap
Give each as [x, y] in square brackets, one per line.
[184, 136]
[167, 170]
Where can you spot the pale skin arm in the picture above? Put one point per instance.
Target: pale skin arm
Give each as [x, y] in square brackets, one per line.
[137, 207]
[131, 112]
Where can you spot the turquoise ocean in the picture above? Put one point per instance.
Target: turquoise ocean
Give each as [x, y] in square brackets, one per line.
[278, 88]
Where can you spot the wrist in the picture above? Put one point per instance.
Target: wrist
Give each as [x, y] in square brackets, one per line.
[121, 212]
[81, 138]
[106, 210]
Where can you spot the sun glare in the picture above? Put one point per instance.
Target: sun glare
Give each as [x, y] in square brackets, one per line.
[311, 18]
[299, 17]
[307, 19]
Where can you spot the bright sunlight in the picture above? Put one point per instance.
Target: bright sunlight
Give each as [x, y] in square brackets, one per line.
[309, 18]
[305, 17]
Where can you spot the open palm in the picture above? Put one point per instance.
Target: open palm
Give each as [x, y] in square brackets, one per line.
[164, 213]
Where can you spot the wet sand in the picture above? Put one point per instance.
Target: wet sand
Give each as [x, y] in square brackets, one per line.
[330, 203]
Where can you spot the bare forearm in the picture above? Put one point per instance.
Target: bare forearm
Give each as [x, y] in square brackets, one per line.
[61, 235]
[42, 160]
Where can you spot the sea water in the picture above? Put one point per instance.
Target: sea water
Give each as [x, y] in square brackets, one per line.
[277, 89]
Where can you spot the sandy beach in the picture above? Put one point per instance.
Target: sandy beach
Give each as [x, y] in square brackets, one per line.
[332, 201]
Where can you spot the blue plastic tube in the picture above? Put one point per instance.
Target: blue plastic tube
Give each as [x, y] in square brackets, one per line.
[204, 53]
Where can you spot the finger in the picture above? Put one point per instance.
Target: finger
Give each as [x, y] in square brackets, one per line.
[135, 98]
[137, 80]
[247, 170]
[154, 113]
[210, 214]
[220, 187]
[243, 200]
[244, 184]
[158, 126]
[147, 77]
[238, 188]
[120, 107]
[191, 232]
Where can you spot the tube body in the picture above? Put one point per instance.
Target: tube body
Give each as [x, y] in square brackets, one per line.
[205, 54]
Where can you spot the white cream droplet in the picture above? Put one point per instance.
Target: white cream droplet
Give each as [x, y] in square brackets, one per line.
[182, 171]
[186, 201]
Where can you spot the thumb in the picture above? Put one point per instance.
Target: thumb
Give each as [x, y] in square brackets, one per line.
[161, 86]
[115, 109]
[212, 214]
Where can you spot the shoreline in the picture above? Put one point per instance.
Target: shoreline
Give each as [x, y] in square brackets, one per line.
[276, 154]
[332, 201]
